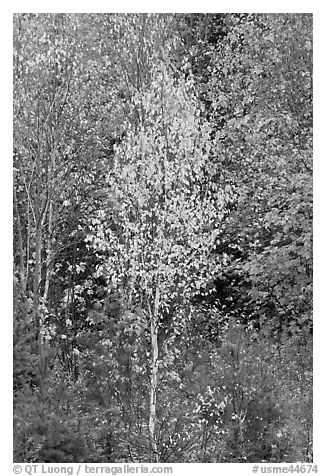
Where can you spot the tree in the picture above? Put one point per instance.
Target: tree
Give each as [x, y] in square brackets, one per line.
[56, 126]
[157, 239]
[264, 133]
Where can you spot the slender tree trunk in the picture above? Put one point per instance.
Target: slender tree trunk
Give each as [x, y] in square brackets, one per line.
[36, 297]
[51, 214]
[22, 274]
[48, 254]
[40, 213]
[154, 376]
[37, 277]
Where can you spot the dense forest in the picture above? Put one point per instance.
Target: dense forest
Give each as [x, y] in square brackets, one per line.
[162, 238]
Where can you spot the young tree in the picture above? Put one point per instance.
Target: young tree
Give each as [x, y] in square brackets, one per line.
[158, 236]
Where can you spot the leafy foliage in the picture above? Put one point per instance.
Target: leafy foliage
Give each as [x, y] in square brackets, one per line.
[162, 237]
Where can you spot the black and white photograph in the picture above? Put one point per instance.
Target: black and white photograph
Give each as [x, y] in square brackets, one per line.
[162, 240]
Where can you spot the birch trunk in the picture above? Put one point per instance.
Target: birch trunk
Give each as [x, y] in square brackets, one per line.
[154, 376]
